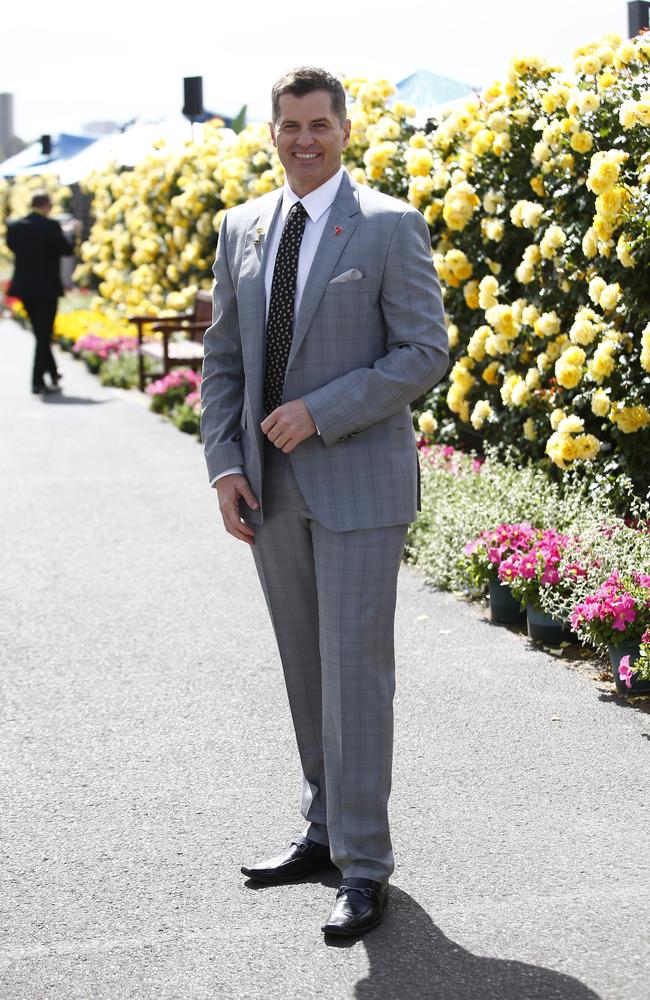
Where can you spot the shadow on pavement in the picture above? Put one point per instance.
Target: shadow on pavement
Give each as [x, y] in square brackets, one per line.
[58, 399]
[410, 957]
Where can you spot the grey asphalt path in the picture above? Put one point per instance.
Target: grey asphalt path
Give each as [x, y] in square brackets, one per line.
[146, 752]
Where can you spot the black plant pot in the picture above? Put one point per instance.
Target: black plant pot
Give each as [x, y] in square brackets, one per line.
[546, 628]
[616, 653]
[503, 607]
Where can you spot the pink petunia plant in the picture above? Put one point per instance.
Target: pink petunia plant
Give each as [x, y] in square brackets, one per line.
[618, 613]
[541, 565]
[485, 553]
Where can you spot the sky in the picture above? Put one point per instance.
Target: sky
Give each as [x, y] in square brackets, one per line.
[75, 62]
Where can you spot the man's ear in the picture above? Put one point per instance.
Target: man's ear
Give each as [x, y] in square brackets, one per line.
[272, 132]
[347, 125]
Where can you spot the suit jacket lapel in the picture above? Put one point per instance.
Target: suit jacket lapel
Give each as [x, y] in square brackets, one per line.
[250, 291]
[338, 230]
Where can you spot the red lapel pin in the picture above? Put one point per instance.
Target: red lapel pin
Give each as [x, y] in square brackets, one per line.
[337, 230]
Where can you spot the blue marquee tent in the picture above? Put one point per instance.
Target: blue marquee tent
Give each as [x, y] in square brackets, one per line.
[31, 160]
[425, 90]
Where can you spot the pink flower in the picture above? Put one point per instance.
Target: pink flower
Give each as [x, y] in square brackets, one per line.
[625, 672]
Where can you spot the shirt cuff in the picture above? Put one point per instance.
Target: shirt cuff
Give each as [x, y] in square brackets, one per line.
[236, 470]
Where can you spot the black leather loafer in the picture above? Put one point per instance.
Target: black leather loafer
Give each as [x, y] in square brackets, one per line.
[359, 906]
[300, 860]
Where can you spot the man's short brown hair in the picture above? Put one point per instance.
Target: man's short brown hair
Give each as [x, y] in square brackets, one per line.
[304, 80]
[41, 198]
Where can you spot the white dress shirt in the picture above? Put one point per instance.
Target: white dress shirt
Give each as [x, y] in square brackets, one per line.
[317, 205]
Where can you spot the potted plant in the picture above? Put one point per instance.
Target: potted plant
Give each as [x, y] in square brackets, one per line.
[528, 572]
[483, 556]
[617, 616]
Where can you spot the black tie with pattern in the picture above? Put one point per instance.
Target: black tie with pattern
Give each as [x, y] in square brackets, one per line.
[279, 325]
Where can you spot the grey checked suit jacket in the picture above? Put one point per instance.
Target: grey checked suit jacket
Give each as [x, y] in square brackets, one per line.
[362, 351]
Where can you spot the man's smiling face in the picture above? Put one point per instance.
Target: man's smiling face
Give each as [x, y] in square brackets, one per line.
[309, 139]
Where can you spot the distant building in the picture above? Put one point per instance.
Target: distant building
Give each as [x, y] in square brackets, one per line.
[6, 123]
[10, 144]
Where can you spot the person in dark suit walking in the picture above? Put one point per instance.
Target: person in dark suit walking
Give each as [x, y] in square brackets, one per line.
[38, 243]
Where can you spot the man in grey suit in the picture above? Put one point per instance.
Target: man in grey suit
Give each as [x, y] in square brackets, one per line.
[328, 321]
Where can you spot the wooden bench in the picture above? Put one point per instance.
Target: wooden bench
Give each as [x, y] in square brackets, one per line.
[180, 340]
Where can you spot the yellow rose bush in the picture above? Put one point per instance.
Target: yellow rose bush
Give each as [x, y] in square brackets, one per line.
[541, 240]
[153, 241]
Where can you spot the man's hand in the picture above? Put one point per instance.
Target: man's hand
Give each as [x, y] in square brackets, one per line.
[230, 490]
[288, 425]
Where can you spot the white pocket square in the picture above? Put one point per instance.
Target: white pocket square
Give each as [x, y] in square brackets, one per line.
[351, 275]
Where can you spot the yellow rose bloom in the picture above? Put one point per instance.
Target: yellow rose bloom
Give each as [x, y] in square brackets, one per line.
[488, 290]
[581, 142]
[459, 204]
[550, 102]
[596, 286]
[630, 419]
[606, 80]
[624, 253]
[432, 211]
[604, 169]
[502, 318]
[482, 141]
[587, 447]
[378, 157]
[645, 348]
[600, 403]
[571, 424]
[561, 449]
[609, 297]
[529, 430]
[491, 373]
[588, 101]
[537, 184]
[453, 335]
[492, 229]
[590, 243]
[427, 422]
[418, 162]
[541, 152]
[547, 325]
[459, 264]
[476, 343]
[532, 378]
[497, 344]
[602, 364]
[568, 367]
[403, 110]
[591, 65]
[470, 293]
[420, 189]
[482, 411]
[553, 238]
[610, 203]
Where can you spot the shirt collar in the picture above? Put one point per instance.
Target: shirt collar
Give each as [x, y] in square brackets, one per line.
[317, 201]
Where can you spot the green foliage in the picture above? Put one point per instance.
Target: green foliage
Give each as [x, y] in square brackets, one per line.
[121, 370]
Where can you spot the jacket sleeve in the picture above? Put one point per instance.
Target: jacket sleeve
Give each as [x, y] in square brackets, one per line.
[62, 244]
[222, 387]
[417, 353]
[11, 237]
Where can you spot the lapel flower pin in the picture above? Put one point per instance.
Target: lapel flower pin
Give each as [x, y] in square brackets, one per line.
[338, 230]
[259, 233]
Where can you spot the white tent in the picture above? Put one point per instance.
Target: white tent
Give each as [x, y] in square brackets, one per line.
[129, 147]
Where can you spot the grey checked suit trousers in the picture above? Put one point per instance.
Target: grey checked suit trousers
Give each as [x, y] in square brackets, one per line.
[331, 596]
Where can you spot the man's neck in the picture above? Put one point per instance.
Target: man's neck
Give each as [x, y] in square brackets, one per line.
[302, 193]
